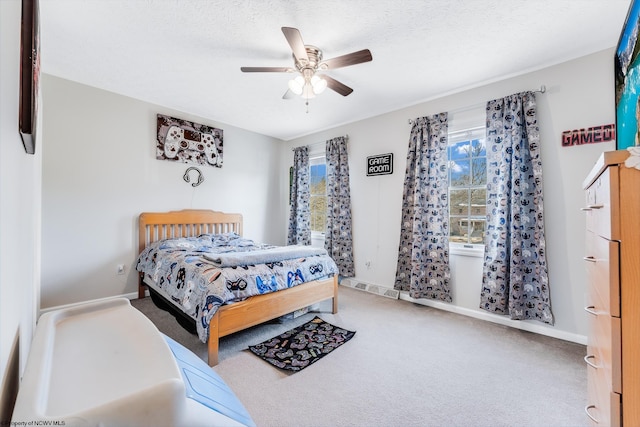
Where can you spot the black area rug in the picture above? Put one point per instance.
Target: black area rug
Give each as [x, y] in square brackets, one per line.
[300, 347]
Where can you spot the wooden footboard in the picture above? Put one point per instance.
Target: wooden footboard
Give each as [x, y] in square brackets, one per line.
[154, 226]
[261, 308]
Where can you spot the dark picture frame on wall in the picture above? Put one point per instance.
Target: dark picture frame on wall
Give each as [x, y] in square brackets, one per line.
[627, 80]
[29, 74]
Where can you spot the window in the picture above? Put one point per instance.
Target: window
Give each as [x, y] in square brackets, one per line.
[318, 194]
[467, 167]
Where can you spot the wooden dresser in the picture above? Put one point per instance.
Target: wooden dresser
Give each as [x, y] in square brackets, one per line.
[612, 260]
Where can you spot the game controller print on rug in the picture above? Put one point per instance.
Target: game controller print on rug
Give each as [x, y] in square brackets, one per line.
[302, 346]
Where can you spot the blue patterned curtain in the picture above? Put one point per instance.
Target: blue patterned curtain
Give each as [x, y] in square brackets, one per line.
[338, 241]
[300, 214]
[423, 256]
[515, 280]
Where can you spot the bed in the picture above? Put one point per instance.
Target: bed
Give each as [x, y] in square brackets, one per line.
[189, 231]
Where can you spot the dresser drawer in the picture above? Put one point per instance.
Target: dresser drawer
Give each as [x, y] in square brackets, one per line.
[602, 205]
[603, 405]
[604, 351]
[603, 269]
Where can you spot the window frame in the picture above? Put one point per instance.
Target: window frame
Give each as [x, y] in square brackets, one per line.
[470, 132]
[314, 160]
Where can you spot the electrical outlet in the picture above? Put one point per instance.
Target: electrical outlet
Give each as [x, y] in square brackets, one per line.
[120, 269]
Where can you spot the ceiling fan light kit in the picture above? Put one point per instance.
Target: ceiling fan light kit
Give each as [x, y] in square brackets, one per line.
[308, 63]
[307, 88]
[319, 84]
[296, 85]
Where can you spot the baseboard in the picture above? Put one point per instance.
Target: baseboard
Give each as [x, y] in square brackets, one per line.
[10, 383]
[517, 324]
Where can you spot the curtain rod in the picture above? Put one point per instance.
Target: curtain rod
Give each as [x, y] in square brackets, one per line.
[542, 89]
[318, 143]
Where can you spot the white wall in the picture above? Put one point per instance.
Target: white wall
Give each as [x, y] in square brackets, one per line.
[19, 217]
[100, 173]
[579, 94]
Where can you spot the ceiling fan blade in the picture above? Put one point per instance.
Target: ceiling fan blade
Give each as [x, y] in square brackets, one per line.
[335, 85]
[266, 69]
[295, 41]
[348, 59]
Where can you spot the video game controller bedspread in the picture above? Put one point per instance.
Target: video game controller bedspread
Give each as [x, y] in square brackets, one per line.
[180, 270]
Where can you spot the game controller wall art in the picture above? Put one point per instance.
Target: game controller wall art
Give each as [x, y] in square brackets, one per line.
[187, 142]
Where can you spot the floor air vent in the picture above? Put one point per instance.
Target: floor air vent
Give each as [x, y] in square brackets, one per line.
[361, 286]
[374, 289]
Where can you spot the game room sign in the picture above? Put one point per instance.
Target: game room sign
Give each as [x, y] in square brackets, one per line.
[382, 164]
[590, 135]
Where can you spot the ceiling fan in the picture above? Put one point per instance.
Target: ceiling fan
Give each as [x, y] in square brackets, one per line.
[308, 62]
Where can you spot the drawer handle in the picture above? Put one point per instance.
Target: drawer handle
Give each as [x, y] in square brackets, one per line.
[589, 258]
[586, 409]
[588, 362]
[592, 207]
[590, 310]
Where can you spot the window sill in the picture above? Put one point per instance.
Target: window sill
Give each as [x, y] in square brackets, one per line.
[476, 251]
[317, 240]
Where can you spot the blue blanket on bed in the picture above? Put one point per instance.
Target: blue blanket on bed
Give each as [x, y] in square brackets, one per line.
[263, 256]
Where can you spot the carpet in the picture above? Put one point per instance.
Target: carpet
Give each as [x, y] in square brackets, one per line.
[300, 347]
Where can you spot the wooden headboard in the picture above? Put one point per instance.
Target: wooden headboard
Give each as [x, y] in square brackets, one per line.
[154, 226]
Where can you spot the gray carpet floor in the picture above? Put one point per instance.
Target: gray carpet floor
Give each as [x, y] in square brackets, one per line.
[408, 365]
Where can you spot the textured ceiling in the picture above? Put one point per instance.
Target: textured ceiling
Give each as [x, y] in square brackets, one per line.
[186, 54]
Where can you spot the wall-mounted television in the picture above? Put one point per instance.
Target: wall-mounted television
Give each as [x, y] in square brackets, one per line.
[29, 74]
[627, 80]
